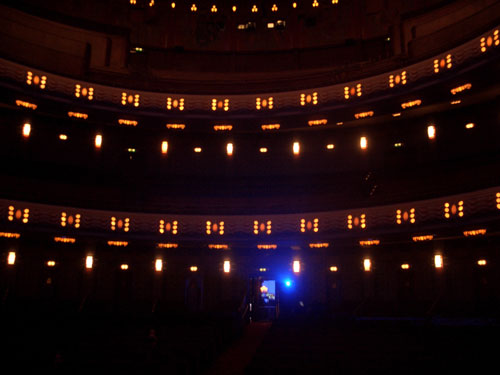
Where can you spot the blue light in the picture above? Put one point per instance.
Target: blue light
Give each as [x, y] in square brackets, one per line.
[288, 283]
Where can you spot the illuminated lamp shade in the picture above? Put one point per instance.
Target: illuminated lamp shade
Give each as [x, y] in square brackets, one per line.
[330, 146]
[319, 245]
[309, 99]
[63, 137]
[335, 1]
[197, 149]
[398, 79]
[164, 147]
[431, 132]
[263, 150]
[369, 242]
[274, 8]
[26, 130]
[40, 81]
[84, 92]
[223, 127]
[98, 141]
[296, 266]
[459, 89]
[410, 104]
[470, 125]
[194, 8]
[118, 243]
[361, 115]
[476, 232]
[158, 265]
[51, 263]
[490, 40]
[334, 269]
[229, 149]
[315, 4]
[131, 99]
[443, 63]
[218, 246]
[10, 235]
[227, 266]
[172, 5]
[427, 237]
[126, 122]
[89, 262]
[367, 264]
[270, 126]
[438, 261]
[267, 246]
[220, 104]
[405, 266]
[213, 9]
[234, 8]
[124, 267]
[294, 5]
[193, 268]
[78, 115]
[176, 126]
[255, 9]
[317, 122]
[11, 258]
[481, 262]
[214, 227]
[363, 143]
[265, 103]
[22, 103]
[296, 148]
[167, 245]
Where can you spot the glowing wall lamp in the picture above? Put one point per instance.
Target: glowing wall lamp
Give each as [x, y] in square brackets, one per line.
[98, 141]
[227, 266]
[89, 262]
[158, 265]
[296, 148]
[431, 132]
[367, 264]
[26, 130]
[296, 266]
[363, 143]
[11, 258]
[229, 149]
[438, 261]
[164, 147]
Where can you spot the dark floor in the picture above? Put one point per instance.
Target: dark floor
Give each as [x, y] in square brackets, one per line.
[377, 347]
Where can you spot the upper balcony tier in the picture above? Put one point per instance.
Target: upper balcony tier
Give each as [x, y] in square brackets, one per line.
[177, 50]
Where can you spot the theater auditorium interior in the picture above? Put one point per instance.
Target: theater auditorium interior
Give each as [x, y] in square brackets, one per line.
[249, 187]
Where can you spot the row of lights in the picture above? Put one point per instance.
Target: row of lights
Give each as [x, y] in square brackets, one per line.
[296, 265]
[363, 141]
[451, 210]
[261, 103]
[268, 246]
[234, 8]
[89, 263]
[438, 264]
